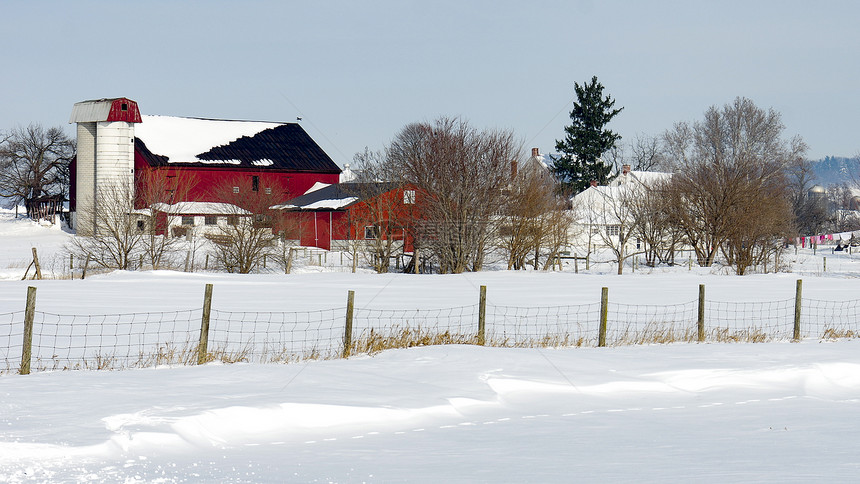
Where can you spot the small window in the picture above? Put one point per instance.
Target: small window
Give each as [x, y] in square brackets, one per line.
[235, 189]
[409, 197]
[255, 183]
[124, 107]
[140, 225]
[187, 220]
[233, 220]
[210, 220]
[371, 232]
[268, 190]
[613, 230]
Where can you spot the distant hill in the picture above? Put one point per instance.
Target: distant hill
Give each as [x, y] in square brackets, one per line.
[833, 170]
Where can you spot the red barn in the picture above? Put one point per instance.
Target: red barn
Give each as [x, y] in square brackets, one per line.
[173, 159]
[278, 158]
[329, 216]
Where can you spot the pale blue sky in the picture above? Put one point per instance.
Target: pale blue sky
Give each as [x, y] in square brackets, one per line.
[358, 71]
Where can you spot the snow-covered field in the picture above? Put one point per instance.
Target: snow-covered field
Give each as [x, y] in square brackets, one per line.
[682, 412]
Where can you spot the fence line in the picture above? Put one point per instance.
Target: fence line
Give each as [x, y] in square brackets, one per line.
[134, 340]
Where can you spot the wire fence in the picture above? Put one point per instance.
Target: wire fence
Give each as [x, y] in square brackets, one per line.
[136, 340]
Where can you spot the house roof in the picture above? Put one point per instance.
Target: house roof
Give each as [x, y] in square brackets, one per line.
[334, 197]
[176, 141]
[200, 208]
[642, 177]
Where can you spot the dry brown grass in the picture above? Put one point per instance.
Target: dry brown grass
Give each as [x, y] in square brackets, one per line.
[549, 341]
[839, 333]
[373, 341]
[656, 332]
[750, 335]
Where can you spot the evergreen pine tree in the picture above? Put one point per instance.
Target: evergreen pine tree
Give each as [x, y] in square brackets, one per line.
[586, 139]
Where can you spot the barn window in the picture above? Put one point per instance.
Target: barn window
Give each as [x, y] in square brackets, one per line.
[268, 190]
[124, 107]
[255, 183]
[187, 220]
[409, 197]
[371, 232]
[235, 189]
[232, 220]
[210, 220]
[140, 225]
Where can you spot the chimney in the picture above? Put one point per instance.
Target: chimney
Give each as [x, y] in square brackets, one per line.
[625, 169]
[593, 183]
[513, 169]
[535, 152]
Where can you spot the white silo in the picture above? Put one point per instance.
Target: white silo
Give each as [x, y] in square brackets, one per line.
[105, 156]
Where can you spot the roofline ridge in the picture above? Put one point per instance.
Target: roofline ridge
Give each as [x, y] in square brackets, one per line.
[219, 119]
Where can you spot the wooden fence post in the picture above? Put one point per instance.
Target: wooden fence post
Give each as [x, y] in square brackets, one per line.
[415, 258]
[604, 313]
[86, 264]
[798, 294]
[289, 260]
[203, 347]
[825, 265]
[482, 316]
[347, 330]
[71, 262]
[29, 314]
[701, 321]
[39, 267]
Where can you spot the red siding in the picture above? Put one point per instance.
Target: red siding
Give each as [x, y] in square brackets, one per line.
[318, 229]
[131, 114]
[208, 180]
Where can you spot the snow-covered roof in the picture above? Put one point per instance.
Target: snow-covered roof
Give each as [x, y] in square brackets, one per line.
[169, 140]
[334, 197]
[330, 204]
[200, 208]
[640, 176]
[317, 186]
[182, 139]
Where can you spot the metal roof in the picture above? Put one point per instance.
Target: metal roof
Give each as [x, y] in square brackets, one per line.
[282, 147]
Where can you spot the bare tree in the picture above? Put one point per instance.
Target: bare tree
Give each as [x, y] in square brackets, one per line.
[252, 227]
[160, 195]
[809, 212]
[462, 171]
[735, 151]
[646, 153]
[118, 234]
[762, 221]
[34, 162]
[533, 219]
[653, 223]
[609, 211]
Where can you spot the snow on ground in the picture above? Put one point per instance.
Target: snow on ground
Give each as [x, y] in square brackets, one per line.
[775, 412]
[684, 412]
